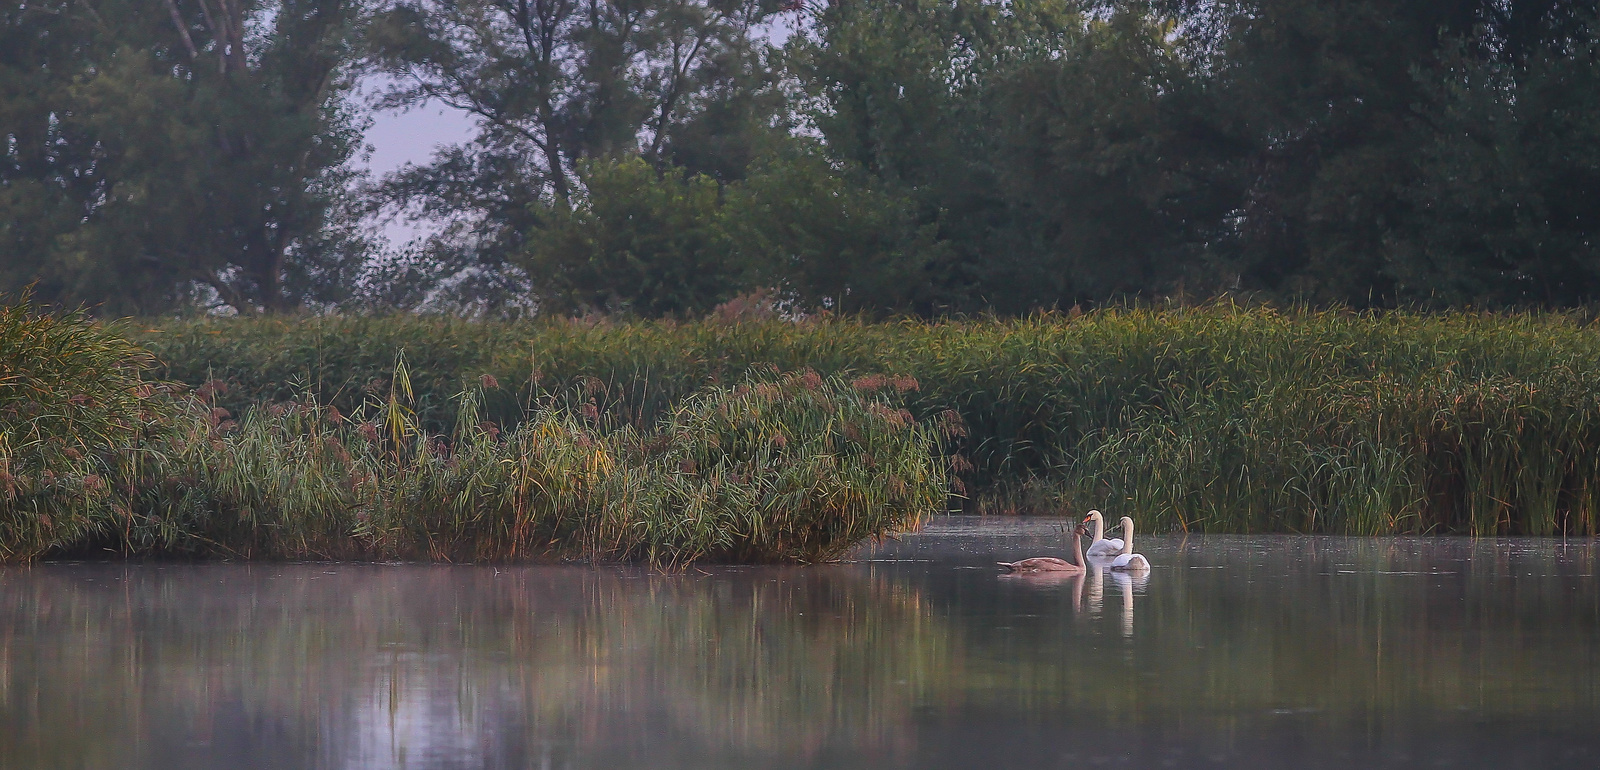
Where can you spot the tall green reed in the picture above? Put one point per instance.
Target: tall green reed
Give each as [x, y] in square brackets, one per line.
[74, 409]
[1216, 418]
[782, 468]
[779, 467]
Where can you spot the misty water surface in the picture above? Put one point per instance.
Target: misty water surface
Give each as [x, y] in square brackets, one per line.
[1235, 652]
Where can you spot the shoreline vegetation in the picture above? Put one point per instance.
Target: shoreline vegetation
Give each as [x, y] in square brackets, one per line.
[739, 439]
[778, 467]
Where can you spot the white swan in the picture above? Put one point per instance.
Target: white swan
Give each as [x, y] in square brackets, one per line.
[1099, 546]
[1127, 560]
[1050, 563]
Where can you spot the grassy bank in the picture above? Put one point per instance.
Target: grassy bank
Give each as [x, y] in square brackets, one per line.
[778, 467]
[1215, 419]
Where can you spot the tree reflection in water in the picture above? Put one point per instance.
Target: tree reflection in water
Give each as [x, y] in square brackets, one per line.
[360, 666]
[1330, 652]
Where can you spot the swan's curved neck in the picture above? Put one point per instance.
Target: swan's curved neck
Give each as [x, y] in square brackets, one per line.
[1077, 549]
[1127, 535]
[1099, 526]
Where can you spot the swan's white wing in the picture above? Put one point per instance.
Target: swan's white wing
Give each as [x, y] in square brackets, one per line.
[1130, 562]
[1107, 547]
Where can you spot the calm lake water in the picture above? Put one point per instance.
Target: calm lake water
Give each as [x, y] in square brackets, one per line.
[1302, 652]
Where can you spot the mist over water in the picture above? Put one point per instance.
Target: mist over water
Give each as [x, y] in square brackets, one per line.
[1274, 651]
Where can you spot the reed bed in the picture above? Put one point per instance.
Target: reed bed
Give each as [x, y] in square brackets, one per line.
[1217, 418]
[73, 405]
[778, 467]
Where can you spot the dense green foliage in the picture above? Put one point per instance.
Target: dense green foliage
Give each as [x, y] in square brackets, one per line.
[72, 407]
[983, 156]
[562, 90]
[154, 155]
[793, 467]
[675, 441]
[1216, 418]
[662, 157]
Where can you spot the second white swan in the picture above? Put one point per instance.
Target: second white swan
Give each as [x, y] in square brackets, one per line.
[1127, 560]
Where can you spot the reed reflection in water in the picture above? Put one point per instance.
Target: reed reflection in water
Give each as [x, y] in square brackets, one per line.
[1241, 652]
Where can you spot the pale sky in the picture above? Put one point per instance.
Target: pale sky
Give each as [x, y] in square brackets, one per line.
[411, 137]
[398, 138]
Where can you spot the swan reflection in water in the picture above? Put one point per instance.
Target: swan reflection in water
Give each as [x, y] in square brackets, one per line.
[1087, 585]
[1088, 589]
[1128, 581]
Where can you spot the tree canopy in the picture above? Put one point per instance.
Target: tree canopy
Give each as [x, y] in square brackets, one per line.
[660, 157]
[158, 154]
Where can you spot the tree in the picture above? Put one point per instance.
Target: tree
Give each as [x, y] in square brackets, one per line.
[634, 241]
[555, 84]
[1507, 191]
[48, 172]
[199, 146]
[1059, 153]
[1361, 152]
[828, 238]
[1345, 123]
[1106, 145]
